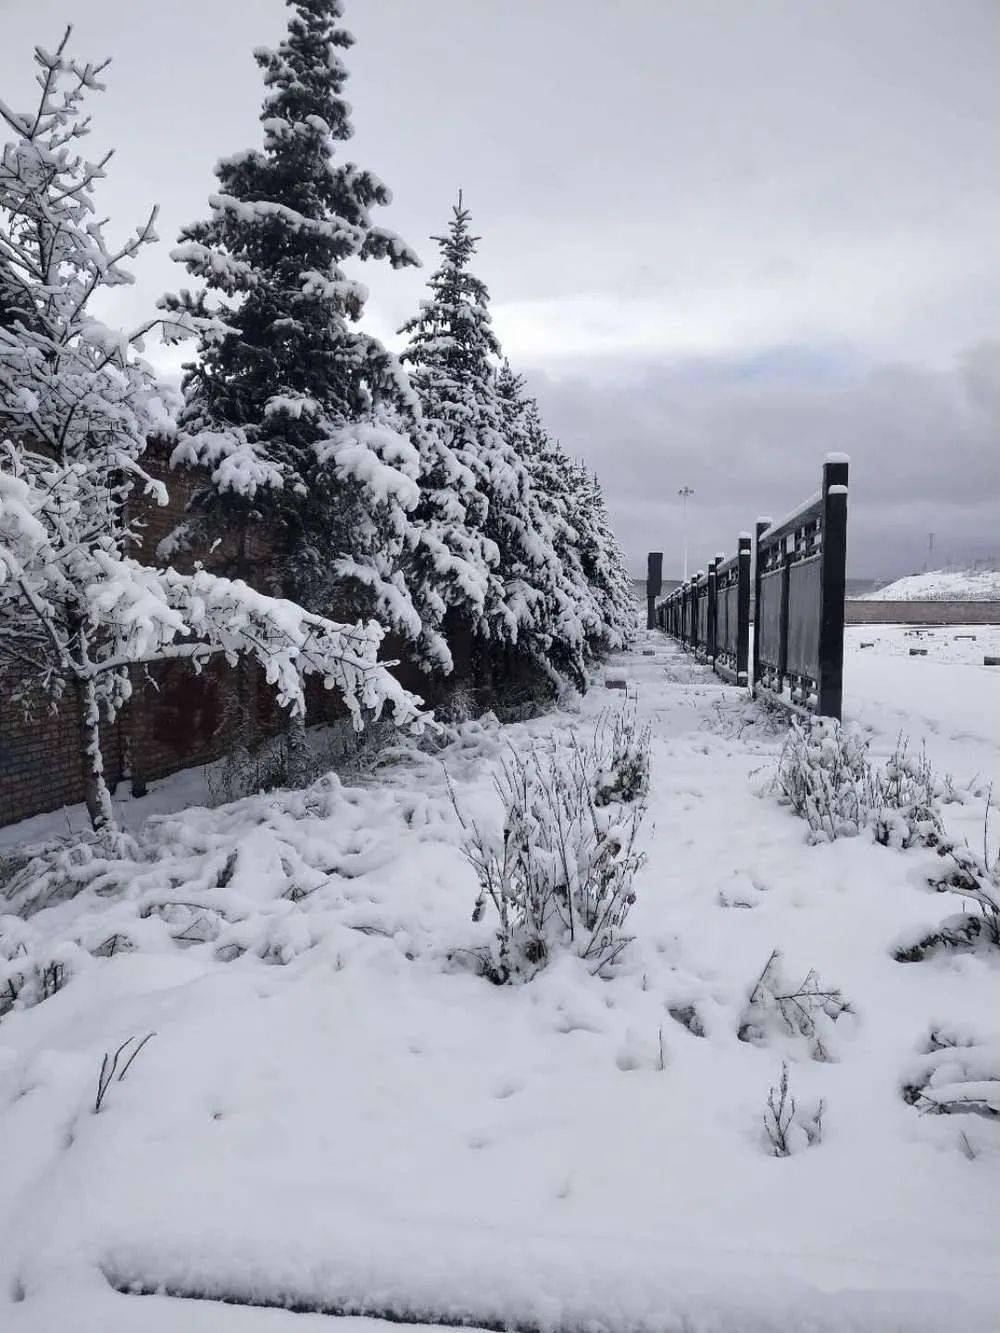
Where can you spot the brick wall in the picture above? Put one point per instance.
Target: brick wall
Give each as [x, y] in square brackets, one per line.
[178, 718]
[40, 756]
[922, 613]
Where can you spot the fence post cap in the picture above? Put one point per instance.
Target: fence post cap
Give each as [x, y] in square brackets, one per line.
[745, 537]
[837, 458]
[765, 520]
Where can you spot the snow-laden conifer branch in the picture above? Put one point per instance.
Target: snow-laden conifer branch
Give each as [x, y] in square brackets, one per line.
[77, 405]
[302, 420]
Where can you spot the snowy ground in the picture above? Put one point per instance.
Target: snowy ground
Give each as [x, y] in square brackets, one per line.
[371, 1127]
[941, 585]
[948, 700]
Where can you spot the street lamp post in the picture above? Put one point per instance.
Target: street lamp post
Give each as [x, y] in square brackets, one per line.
[684, 493]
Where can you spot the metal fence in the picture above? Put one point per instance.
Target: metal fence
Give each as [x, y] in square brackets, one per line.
[798, 604]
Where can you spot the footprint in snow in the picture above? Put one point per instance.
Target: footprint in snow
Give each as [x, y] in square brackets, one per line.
[508, 1088]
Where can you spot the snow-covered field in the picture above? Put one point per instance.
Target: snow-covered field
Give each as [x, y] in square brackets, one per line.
[948, 700]
[941, 585]
[370, 1127]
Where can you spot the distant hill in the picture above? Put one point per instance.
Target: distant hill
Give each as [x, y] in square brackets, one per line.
[941, 585]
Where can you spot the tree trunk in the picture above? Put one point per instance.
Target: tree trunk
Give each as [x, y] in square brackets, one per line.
[297, 750]
[96, 794]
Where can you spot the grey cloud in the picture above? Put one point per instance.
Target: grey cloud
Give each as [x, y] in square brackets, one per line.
[924, 447]
[725, 237]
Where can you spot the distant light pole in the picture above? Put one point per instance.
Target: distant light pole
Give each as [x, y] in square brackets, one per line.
[684, 493]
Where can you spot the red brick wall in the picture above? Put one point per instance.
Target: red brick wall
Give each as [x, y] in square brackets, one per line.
[40, 765]
[178, 718]
[175, 719]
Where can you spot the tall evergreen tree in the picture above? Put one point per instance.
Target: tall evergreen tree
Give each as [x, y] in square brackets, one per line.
[77, 403]
[602, 561]
[301, 418]
[452, 353]
[571, 616]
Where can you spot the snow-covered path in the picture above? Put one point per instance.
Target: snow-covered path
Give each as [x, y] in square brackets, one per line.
[372, 1127]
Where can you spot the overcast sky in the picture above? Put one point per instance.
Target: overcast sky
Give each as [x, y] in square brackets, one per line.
[722, 237]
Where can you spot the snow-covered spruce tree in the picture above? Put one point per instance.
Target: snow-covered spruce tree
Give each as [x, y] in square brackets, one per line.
[602, 560]
[76, 406]
[302, 420]
[453, 353]
[573, 610]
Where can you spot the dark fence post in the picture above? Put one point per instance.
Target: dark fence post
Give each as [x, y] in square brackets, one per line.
[743, 610]
[760, 528]
[833, 586]
[786, 586]
[711, 617]
[654, 582]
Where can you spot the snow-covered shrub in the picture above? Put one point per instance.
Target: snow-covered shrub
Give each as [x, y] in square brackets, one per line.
[260, 876]
[251, 768]
[827, 775]
[559, 871]
[974, 875]
[27, 978]
[823, 775]
[787, 1126]
[460, 705]
[288, 760]
[777, 1008]
[621, 749]
[51, 873]
[904, 799]
[958, 1075]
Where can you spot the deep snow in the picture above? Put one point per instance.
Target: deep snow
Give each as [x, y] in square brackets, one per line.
[372, 1127]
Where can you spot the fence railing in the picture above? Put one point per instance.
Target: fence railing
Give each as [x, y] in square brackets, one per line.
[798, 591]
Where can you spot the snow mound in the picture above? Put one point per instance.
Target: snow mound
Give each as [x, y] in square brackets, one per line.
[941, 585]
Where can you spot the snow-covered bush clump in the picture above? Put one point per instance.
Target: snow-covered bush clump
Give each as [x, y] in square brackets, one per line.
[77, 610]
[976, 876]
[905, 796]
[958, 1075]
[827, 775]
[621, 748]
[558, 872]
[823, 775]
[271, 877]
[788, 1125]
[781, 1010]
[266, 877]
